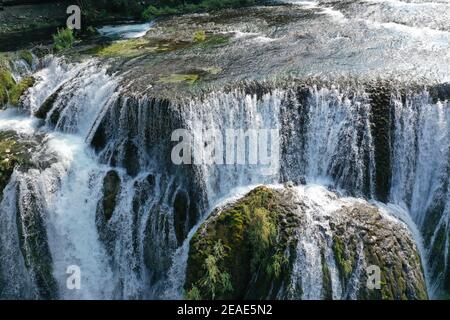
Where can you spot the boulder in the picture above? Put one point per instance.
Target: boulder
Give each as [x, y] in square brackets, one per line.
[303, 242]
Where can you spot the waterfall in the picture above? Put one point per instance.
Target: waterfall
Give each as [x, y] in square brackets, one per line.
[421, 170]
[110, 200]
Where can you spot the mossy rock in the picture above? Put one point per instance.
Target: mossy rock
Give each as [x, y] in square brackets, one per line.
[6, 84]
[111, 189]
[254, 245]
[345, 258]
[136, 47]
[10, 91]
[19, 89]
[251, 249]
[13, 152]
[33, 240]
[27, 56]
[45, 108]
[367, 238]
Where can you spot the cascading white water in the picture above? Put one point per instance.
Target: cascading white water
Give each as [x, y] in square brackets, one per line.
[333, 143]
[71, 187]
[421, 151]
[71, 207]
[307, 267]
[248, 113]
[420, 166]
[330, 132]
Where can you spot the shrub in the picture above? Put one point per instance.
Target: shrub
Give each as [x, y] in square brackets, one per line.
[63, 39]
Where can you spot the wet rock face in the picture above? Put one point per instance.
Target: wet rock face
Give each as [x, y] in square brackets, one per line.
[380, 96]
[302, 243]
[363, 235]
[111, 188]
[33, 240]
[107, 205]
[14, 152]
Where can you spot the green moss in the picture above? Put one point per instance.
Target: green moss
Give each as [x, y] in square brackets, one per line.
[27, 56]
[111, 188]
[327, 290]
[6, 79]
[12, 154]
[344, 260]
[214, 41]
[19, 89]
[254, 252]
[136, 47]
[122, 48]
[213, 70]
[6, 84]
[437, 254]
[179, 78]
[200, 36]
[193, 294]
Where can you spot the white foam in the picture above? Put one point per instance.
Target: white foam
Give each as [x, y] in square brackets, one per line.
[126, 31]
[12, 119]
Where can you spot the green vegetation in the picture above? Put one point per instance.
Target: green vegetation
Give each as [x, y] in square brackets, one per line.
[19, 89]
[12, 153]
[215, 40]
[136, 47]
[345, 259]
[327, 282]
[27, 56]
[163, 7]
[215, 281]
[63, 39]
[9, 90]
[200, 36]
[6, 84]
[111, 189]
[239, 252]
[125, 48]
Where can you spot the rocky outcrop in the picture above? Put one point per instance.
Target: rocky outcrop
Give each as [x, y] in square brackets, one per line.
[106, 207]
[364, 235]
[14, 152]
[242, 251]
[302, 243]
[33, 239]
